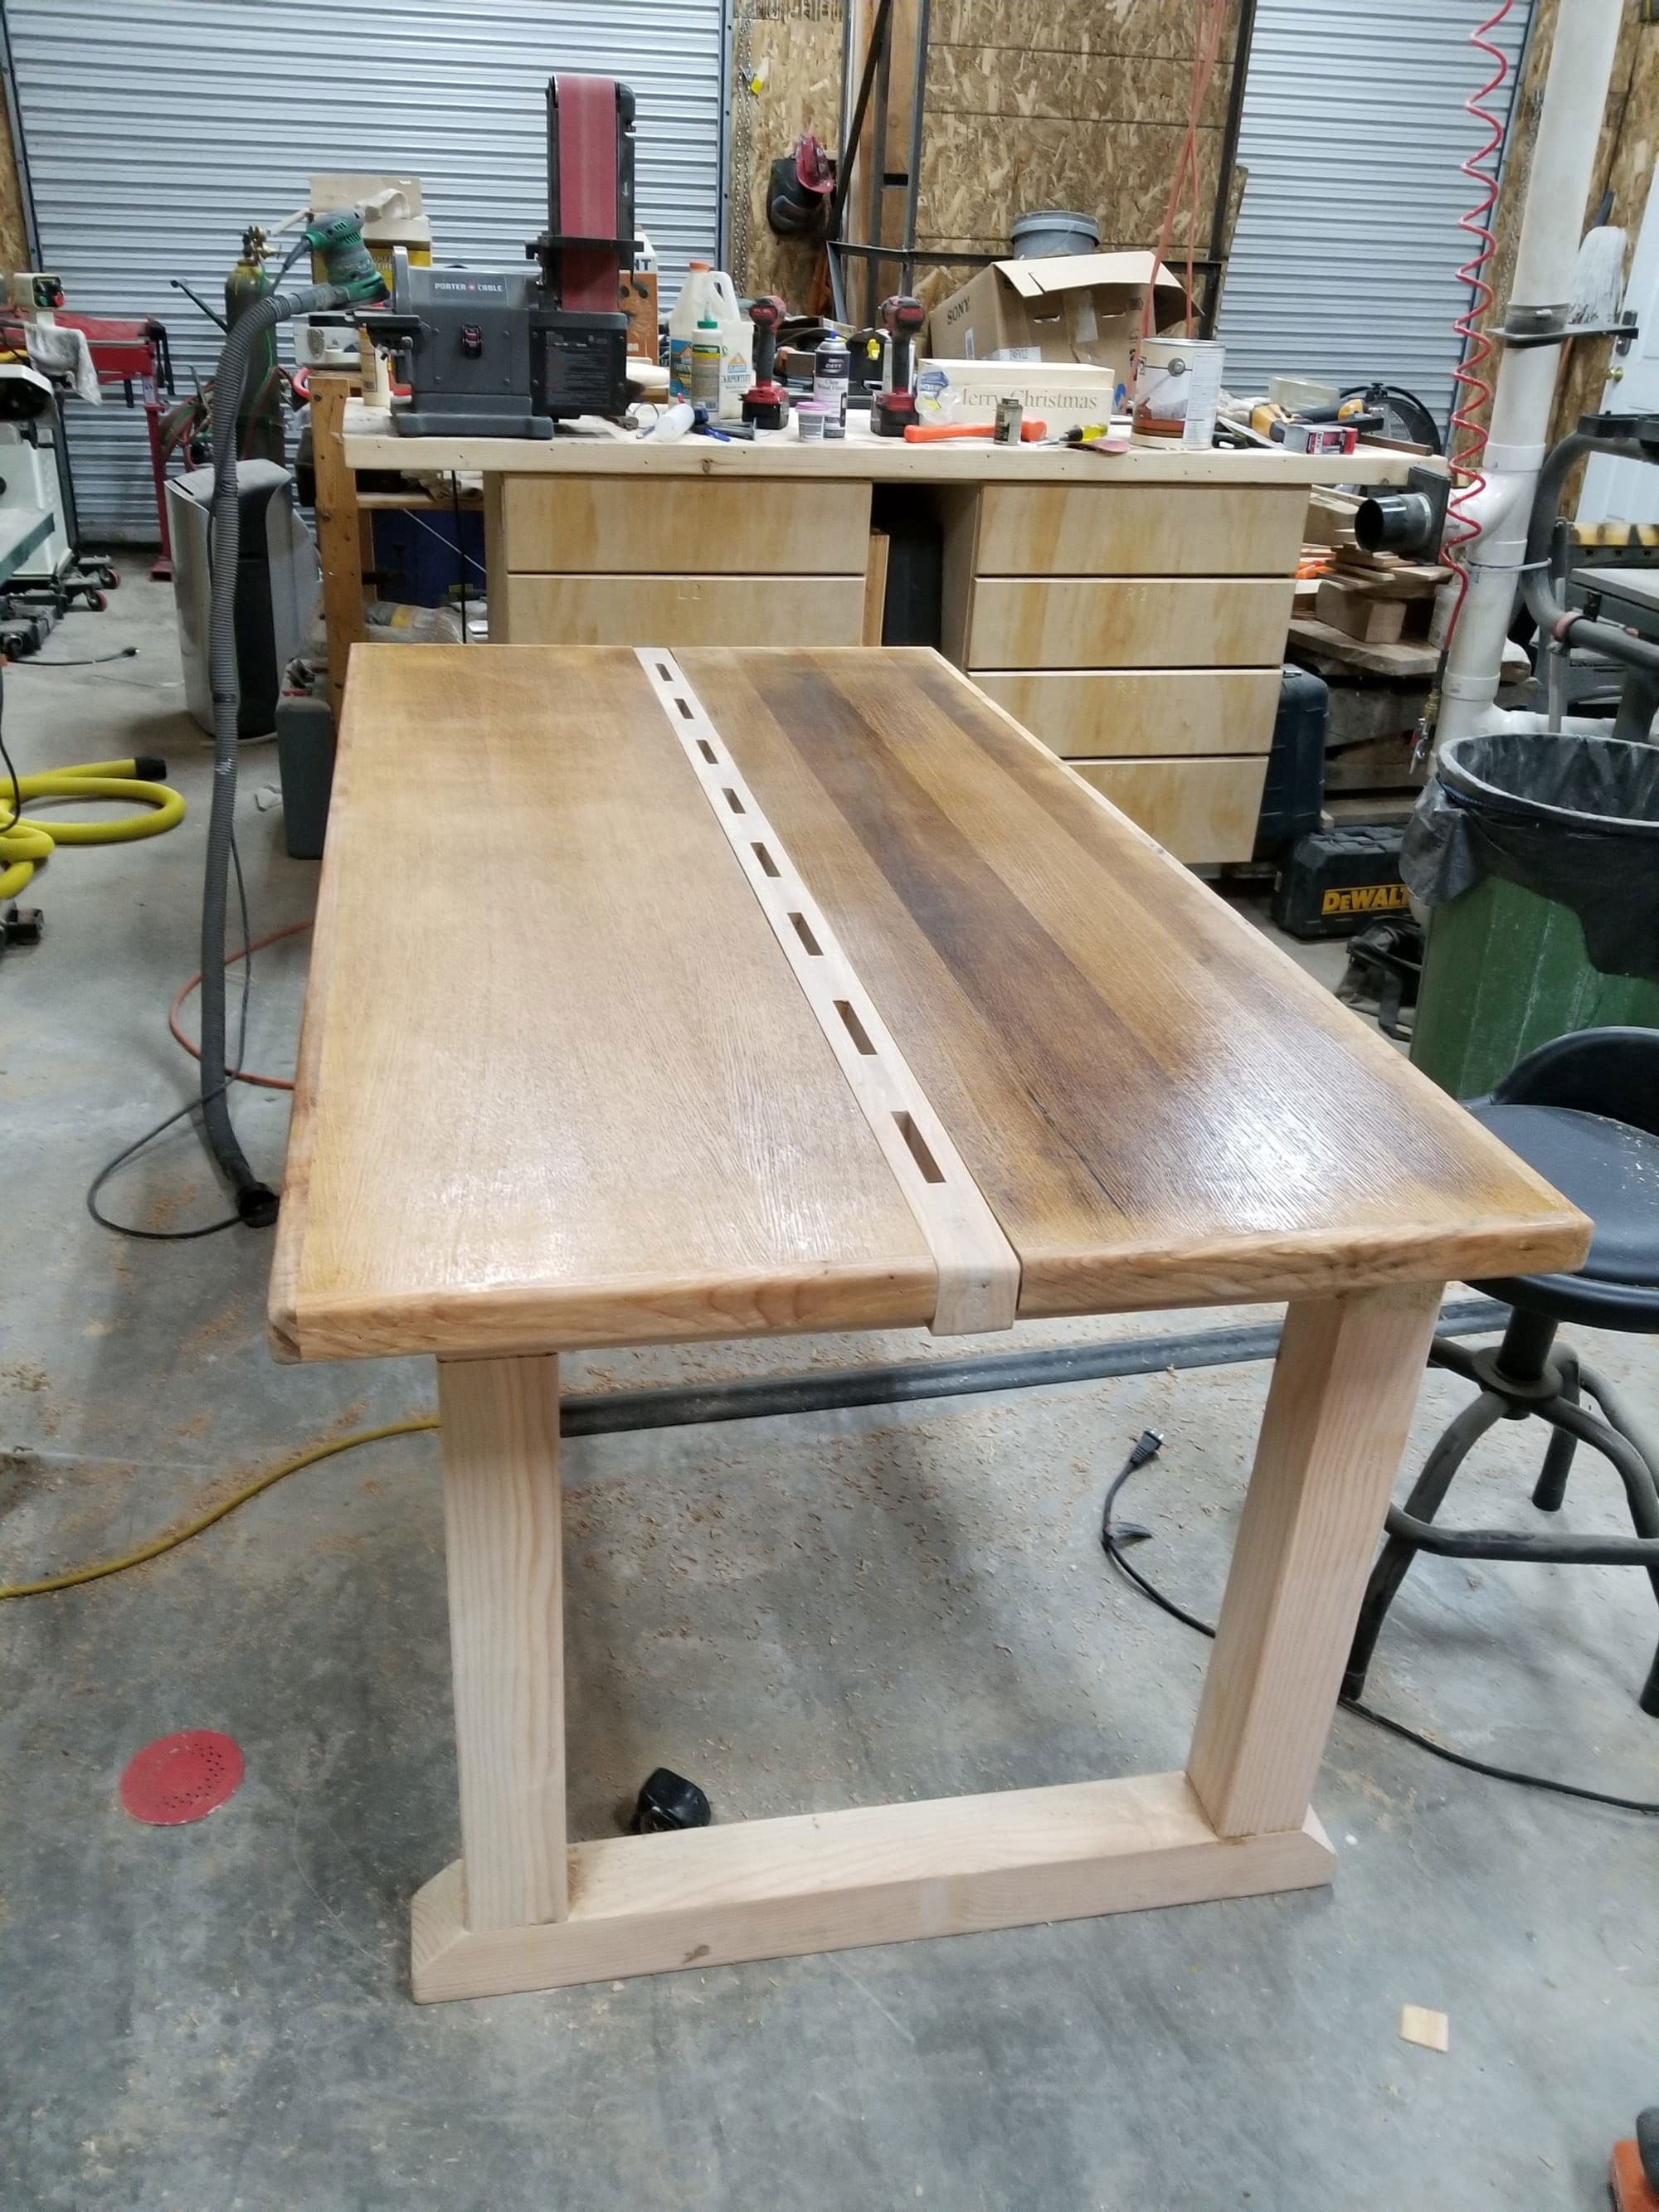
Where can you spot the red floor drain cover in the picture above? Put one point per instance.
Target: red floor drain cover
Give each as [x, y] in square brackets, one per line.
[182, 1777]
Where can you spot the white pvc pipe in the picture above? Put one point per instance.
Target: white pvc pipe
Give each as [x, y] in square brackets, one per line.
[1564, 156]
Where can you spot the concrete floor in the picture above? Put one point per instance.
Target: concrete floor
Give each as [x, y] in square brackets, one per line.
[860, 1607]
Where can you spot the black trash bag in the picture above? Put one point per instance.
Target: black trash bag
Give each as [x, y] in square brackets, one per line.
[1574, 818]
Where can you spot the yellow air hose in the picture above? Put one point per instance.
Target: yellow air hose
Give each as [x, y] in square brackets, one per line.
[24, 844]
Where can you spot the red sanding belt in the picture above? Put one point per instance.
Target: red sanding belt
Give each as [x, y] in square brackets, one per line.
[587, 191]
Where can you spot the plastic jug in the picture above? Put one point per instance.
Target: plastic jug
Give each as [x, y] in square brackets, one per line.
[708, 292]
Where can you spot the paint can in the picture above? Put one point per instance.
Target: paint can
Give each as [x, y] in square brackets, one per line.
[811, 417]
[1177, 382]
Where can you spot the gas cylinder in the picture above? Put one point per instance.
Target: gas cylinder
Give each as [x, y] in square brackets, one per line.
[259, 417]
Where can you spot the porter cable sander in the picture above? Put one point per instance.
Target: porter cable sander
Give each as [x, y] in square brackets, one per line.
[507, 356]
[353, 282]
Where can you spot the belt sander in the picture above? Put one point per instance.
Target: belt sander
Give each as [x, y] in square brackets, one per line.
[507, 356]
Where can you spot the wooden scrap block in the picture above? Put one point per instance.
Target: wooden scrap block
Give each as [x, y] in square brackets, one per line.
[1358, 613]
[1420, 2024]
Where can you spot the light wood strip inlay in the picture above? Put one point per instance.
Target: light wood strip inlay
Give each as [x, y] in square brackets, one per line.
[978, 1268]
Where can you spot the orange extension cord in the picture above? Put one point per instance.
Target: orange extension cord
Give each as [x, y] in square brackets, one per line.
[236, 1074]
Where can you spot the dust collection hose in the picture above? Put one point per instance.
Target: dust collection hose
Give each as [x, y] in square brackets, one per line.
[25, 843]
[255, 1202]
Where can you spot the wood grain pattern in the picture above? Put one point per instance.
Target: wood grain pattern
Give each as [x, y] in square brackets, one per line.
[585, 1103]
[572, 525]
[503, 1546]
[339, 531]
[1199, 809]
[1160, 1107]
[1346, 1380]
[675, 610]
[1110, 713]
[875, 588]
[1100, 621]
[978, 1274]
[872, 1874]
[1045, 530]
[371, 443]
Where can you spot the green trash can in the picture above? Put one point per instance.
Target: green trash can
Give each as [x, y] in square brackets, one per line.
[1539, 858]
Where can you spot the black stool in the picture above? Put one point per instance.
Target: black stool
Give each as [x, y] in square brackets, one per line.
[1584, 1112]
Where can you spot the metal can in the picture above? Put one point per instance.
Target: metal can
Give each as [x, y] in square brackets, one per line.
[832, 368]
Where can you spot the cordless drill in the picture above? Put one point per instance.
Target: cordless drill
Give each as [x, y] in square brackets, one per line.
[766, 403]
[893, 410]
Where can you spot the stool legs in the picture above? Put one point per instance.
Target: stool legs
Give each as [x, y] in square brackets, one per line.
[1551, 1485]
[1428, 1494]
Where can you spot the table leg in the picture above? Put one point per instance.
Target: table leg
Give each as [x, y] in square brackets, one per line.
[500, 1427]
[1235, 1823]
[339, 531]
[1344, 1388]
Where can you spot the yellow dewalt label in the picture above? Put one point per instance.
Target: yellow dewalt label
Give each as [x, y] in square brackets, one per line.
[1364, 898]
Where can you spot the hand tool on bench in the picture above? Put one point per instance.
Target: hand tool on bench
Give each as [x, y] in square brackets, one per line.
[766, 403]
[925, 434]
[894, 411]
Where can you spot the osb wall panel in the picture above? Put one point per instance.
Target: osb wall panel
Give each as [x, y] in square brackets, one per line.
[793, 55]
[1077, 104]
[13, 243]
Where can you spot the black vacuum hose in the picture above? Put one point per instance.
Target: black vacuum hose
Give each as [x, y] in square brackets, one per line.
[255, 1202]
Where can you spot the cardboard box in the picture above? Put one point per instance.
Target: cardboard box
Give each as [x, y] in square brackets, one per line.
[1064, 395]
[1064, 307]
[639, 303]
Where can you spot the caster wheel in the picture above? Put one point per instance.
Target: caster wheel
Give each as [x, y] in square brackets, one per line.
[110, 579]
[97, 602]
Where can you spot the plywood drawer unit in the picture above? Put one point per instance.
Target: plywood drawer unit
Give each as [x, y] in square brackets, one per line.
[1086, 714]
[680, 526]
[1199, 809]
[1111, 622]
[674, 610]
[1139, 529]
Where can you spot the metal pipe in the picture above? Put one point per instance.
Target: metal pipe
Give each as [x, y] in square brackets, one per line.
[600, 1413]
[913, 180]
[1564, 155]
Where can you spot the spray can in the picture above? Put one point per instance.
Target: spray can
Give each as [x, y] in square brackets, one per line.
[703, 384]
[831, 372]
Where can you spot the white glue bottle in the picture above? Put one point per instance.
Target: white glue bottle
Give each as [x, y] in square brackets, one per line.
[708, 294]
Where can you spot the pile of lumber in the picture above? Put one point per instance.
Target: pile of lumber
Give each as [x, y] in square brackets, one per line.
[1376, 598]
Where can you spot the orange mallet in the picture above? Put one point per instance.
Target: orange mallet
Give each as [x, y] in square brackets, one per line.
[1634, 2179]
[923, 433]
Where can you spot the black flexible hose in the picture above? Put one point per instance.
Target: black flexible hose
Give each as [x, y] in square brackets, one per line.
[1537, 583]
[255, 1202]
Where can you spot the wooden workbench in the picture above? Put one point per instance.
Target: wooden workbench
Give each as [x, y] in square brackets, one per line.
[1130, 609]
[806, 991]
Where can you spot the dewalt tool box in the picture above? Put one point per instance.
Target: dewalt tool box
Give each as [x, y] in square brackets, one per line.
[1334, 881]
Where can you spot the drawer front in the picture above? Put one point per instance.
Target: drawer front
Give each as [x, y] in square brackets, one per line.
[1140, 530]
[683, 526]
[1163, 622]
[1086, 714]
[1198, 809]
[677, 611]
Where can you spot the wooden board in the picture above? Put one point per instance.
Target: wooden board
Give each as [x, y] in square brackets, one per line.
[580, 1100]
[675, 610]
[870, 1874]
[1201, 810]
[1162, 621]
[1091, 714]
[1042, 530]
[577, 525]
[371, 443]
[1160, 1107]
[591, 1107]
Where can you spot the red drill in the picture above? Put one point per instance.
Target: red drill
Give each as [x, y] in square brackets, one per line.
[766, 403]
[892, 411]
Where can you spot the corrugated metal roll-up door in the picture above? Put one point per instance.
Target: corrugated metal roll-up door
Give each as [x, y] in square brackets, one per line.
[1344, 260]
[154, 130]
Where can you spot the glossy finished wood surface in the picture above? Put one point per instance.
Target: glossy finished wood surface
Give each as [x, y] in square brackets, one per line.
[1161, 1108]
[556, 1085]
[574, 1095]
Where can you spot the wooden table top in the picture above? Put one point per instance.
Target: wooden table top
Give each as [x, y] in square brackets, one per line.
[560, 1083]
[371, 442]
